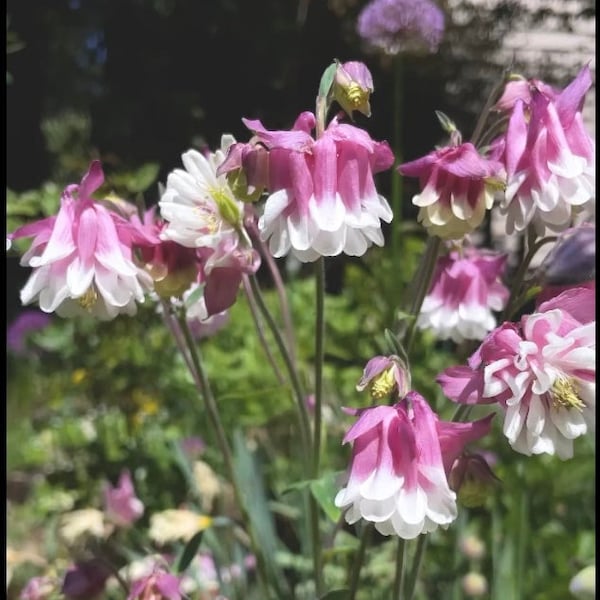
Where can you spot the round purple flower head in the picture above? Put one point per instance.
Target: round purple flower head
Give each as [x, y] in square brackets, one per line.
[395, 26]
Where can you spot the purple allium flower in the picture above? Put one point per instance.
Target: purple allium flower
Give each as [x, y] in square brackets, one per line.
[25, 323]
[395, 26]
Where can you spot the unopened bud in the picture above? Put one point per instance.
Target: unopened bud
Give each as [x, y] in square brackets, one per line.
[472, 547]
[385, 375]
[474, 585]
[352, 87]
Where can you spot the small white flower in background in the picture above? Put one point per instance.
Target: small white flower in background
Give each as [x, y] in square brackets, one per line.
[176, 524]
[82, 523]
[583, 585]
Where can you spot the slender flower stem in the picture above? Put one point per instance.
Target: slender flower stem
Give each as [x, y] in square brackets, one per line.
[487, 109]
[397, 593]
[411, 580]
[293, 375]
[425, 274]
[396, 178]
[279, 286]
[359, 559]
[516, 293]
[201, 380]
[259, 329]
[319, 359]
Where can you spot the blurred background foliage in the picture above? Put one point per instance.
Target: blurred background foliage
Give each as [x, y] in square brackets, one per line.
[137, 82]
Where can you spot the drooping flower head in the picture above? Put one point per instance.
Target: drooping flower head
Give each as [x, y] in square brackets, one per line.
[457, 187]
[549, 157]
[352, 87]
[394, 26]
[400, 459]
[384, 376]
[81, 262]
[541, 372]
[466, 288]
[323, 200]
[121, 504]
[570, 264]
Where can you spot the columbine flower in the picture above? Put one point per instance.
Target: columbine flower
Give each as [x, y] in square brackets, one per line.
[395, 26]
[81, 263]
[352, 87]
[464, 292]
[323, 200]
[198, 204]
[400, 459]
[550, 158]
[159, 585]
[385, 375]
[120, 502]
[457, 186]
[541, 372]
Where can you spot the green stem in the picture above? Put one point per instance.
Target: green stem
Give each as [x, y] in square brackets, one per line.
[411, 580]
[319, 359]
[365, 538]
[516, 293]
[396, 177]
[487, 109]
[299, 395]
[199, 376]
[259, 329]
[397, 593]
[425, 275]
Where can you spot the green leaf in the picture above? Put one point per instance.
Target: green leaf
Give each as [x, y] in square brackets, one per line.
[190, 550]
[324, 490]
[327, 79]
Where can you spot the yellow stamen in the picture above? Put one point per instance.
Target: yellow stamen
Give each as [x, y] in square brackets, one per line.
[356, 95]
[88, 300]
[564, 394]
[383, 385]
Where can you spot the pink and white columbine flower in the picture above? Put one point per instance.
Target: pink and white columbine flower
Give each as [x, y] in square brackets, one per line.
[323, 200]
[549, 157]
[457, 187]
[121, 504]
[400, 461]
[541, 372]
[465, 291]
[82, 264]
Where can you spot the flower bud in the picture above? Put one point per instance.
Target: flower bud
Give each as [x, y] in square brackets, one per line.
[352, 87]
[472, 547]
[572, 260]
[583, 585]
[385, 375]
[474, 585]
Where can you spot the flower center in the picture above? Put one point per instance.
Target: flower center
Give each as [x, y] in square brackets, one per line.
[226, 205]
[88, 300]
[564, 394]
[383, 385]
